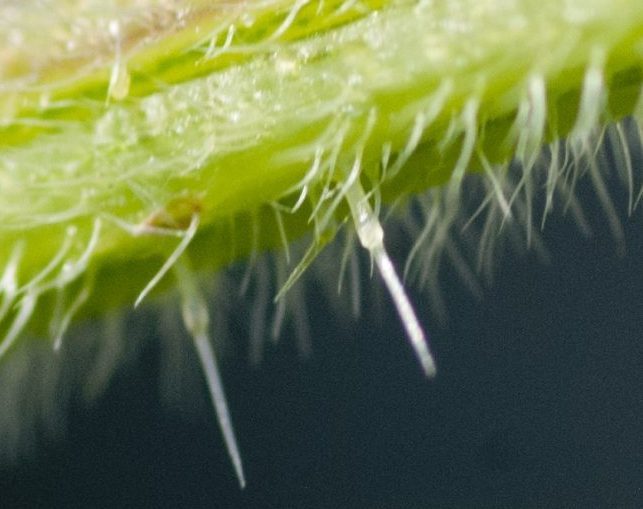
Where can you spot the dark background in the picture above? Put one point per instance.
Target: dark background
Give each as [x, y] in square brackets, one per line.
[538, 403]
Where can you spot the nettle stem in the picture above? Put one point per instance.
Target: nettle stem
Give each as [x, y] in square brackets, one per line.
[125, 126]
